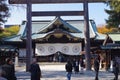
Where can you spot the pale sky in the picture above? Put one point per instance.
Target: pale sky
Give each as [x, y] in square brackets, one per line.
[96, 12]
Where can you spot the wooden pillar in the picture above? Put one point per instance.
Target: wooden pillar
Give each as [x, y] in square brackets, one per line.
[29, 32]
[87, 36]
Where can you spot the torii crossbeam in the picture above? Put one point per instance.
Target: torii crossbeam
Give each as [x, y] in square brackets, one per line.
[53, 1]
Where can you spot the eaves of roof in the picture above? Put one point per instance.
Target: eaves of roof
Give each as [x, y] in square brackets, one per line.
[38, 36]
[100, 36]
[111, 46]
[43, 35]
[15, 38]
[6, 47]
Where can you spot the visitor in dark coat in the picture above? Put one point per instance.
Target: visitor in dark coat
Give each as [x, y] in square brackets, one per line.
[73, 64]
[68, 68]
[9, 70]
[96, 67]
[82, 64]
[35, 70]
[115, 69]
[1, 75]
[76, 66]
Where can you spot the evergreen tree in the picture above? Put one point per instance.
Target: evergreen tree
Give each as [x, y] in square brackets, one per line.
[4, 11]
[114, 14]
[115, 5]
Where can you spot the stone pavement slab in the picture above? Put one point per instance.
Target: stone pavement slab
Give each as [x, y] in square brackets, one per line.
[57, 72]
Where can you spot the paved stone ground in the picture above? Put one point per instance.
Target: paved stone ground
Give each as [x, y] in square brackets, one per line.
[57, 72]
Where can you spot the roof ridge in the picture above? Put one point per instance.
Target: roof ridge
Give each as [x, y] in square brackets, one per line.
[58, 21]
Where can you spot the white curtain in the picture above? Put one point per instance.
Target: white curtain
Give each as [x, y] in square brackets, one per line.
[65, 48]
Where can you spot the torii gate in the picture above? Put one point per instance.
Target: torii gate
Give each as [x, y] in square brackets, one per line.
[58, 13]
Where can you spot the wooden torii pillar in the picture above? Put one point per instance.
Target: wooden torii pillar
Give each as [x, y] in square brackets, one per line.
[86, 18]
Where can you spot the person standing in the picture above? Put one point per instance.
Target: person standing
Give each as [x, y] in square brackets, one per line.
[76, 66]
[115, 69]
[81, 65]
[68, 68]
[35, 70]
[9, 70]
[96, 67]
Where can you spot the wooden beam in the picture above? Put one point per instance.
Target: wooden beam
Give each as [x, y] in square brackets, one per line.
[58, 13]
[53, 1]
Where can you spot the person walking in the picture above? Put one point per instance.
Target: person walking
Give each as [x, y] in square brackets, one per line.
[115, 69]
[35, 70]
[68, 68]
[9, 70]
[96, 67]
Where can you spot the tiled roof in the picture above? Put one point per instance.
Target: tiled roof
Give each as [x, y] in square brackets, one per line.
[58, 21]
[115, 37]
[74, 27]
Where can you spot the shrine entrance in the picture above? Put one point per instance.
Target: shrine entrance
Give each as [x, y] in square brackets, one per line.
[57, 13]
